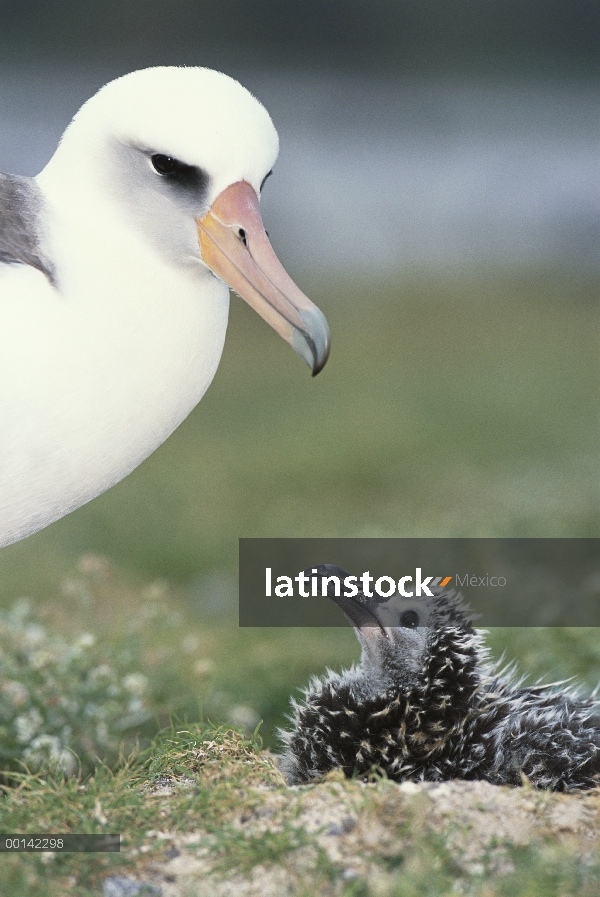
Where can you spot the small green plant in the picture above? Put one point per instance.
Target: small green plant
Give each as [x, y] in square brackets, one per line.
[68, 702]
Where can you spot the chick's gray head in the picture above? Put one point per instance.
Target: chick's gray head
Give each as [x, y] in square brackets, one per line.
[393, 632]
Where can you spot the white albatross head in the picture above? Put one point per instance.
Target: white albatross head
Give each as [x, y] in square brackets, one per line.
[185, 152]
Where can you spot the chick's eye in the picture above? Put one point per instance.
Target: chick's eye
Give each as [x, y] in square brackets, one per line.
[409, 619]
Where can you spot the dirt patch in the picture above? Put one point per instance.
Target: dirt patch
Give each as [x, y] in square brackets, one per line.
[320, 838]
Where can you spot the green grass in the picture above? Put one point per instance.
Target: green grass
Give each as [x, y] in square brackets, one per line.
[212, 784]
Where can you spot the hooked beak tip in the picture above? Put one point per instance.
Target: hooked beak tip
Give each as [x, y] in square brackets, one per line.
[319, 361]
[313, 342]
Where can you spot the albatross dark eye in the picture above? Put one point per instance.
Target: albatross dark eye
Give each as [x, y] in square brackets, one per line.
[165, 164]
[409, 619]
[188, 177]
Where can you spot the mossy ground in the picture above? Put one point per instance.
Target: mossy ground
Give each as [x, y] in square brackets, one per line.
[204, 811]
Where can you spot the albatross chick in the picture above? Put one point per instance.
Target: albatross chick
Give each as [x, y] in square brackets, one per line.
[425, 703]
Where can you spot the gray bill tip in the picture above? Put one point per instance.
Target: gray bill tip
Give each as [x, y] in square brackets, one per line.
[313, 342]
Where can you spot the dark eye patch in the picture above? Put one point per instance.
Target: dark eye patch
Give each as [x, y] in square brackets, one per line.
[179, 173]
[409, 619]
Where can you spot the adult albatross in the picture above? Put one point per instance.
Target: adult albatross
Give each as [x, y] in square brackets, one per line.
[115, 268]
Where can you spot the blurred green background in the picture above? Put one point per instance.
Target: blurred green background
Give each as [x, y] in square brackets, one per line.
[461, 394]
[448, 408]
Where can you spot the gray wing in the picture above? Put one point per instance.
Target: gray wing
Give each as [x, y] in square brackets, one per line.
[20, 203]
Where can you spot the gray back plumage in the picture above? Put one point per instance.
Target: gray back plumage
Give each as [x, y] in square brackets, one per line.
[20, 205]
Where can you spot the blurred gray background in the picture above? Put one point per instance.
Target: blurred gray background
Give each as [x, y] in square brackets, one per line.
[413, 134]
